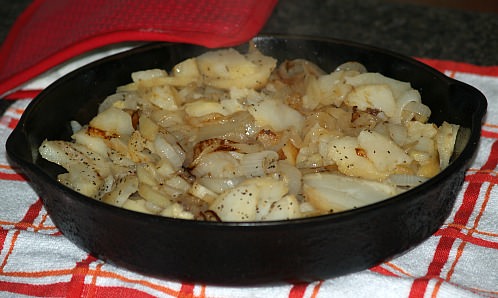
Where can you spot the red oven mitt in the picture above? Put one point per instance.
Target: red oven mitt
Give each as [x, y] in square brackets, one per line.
[52, 31]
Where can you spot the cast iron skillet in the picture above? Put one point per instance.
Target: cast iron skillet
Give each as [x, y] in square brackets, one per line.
[245, 253]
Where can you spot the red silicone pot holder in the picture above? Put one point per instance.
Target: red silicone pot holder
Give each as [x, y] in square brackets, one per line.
[52, 31]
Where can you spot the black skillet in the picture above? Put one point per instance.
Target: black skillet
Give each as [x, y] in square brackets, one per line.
[257, 252]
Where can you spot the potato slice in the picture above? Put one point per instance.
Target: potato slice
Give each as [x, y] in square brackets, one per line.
[385, 154]
[123, 188]
[228, 68]
[332, 193]
[375, 97]
[283, 209]
[277, 115]
[237, 204]
[445, 140]
[114, 121]
[351, 159]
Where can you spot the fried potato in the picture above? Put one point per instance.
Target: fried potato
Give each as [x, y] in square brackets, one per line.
[229, 136]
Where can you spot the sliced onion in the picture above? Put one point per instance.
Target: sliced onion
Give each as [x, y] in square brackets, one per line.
[247, 148]
[220, 164]
[352, 65]
[291, 175]
[398, 134]
[154, 195]
[75, 126]
[406, 180]
[219, 185]
[258, 164]
[295, 70]
[168, 151]
[240, 127]
[420, 109]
